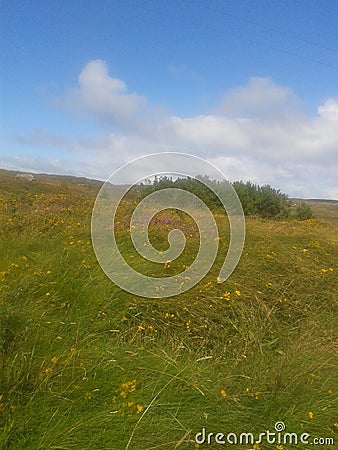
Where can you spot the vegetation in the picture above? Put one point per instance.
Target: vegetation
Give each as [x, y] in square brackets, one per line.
[84, 365]
[303, 211]
[262, 201]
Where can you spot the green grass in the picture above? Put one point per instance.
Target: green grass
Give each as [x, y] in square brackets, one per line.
[84, 365]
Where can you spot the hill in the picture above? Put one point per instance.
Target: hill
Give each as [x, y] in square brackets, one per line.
[85, 365]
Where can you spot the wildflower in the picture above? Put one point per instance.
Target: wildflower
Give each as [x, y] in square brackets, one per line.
[268, 285]
[129, 386]
[305, 250]
[238, 293]
[54, 360]
[47, 294]
[139, 409]
[310, 415]
[335, 425]
[312, 376]
[227, 295]
[329, 391]
[167, 264]
[223, 393]
[315, 244]
[140, 328]
[48, 272]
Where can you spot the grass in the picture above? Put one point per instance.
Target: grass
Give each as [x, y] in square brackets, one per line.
[84, 365]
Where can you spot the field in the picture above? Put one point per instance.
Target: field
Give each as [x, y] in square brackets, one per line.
[85, 365]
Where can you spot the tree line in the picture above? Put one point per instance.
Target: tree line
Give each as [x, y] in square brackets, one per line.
[263, 201]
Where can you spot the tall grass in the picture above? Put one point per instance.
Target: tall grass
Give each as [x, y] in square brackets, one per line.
[84, 365]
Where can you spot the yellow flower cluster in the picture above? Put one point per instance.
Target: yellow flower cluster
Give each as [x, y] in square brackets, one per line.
[322, 271]
[125, 390]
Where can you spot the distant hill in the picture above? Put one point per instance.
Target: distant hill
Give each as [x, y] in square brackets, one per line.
[15, 181]
[326, 210]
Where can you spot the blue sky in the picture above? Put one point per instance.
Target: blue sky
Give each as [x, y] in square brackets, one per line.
[251, 86]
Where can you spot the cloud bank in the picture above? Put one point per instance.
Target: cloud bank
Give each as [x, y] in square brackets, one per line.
[257, 132]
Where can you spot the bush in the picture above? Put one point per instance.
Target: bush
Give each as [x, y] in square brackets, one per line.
[263, 201]
[303, 211]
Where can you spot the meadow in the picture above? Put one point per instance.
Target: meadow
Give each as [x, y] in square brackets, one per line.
[85, 365]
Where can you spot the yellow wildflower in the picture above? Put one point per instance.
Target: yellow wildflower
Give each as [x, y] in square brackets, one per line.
[223, 393]
[310, 415]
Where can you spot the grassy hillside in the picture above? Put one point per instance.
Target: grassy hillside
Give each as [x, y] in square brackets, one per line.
[84, 365]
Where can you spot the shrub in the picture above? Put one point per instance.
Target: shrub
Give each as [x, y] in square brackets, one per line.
[303, 211]
[263, 201]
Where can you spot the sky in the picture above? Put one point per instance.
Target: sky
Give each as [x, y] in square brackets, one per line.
[251, 86]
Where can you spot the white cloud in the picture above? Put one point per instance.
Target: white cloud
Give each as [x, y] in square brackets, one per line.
[329, 109]
[260, 98]
[104, 97]
[258, 132]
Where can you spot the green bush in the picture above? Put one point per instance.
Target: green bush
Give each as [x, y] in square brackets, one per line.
[303, 211]
[263, 201]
